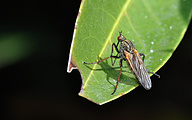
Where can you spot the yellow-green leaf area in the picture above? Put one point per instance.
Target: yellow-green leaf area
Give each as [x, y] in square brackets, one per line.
[155, 27]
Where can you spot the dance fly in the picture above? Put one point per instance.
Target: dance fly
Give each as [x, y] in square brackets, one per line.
[128, 53]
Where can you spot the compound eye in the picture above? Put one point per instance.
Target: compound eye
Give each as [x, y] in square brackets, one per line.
[119, 38]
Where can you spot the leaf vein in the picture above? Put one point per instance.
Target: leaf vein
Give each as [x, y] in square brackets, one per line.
[126, 5]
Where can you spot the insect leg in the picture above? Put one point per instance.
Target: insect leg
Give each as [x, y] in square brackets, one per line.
[115, 48]
[154, 74]
[113, 62]
[118, 77]
[141, 54]
[101, 60]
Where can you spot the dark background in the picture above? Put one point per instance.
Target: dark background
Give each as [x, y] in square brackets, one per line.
[38, 86]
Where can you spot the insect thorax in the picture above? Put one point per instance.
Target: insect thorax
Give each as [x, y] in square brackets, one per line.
[126, 45]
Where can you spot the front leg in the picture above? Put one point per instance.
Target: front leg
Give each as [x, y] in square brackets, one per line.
[113, 45]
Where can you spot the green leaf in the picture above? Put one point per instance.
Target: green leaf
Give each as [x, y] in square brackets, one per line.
[155, 27]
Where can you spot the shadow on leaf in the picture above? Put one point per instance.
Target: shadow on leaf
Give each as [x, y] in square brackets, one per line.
[113, 72]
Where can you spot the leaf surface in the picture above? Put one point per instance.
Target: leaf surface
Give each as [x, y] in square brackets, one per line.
[155, 28]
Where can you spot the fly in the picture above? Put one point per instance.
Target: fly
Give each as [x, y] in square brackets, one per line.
[129, 53]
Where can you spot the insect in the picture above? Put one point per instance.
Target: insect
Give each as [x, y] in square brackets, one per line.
[128, 53]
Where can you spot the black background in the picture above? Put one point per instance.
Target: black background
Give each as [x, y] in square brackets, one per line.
[38, 87]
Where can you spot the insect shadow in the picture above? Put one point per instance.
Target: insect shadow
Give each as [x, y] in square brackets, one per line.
[113, 72]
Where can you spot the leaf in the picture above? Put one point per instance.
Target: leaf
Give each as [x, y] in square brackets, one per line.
[155, 28]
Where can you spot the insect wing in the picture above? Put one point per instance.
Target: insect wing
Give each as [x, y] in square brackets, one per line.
[138, 68]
